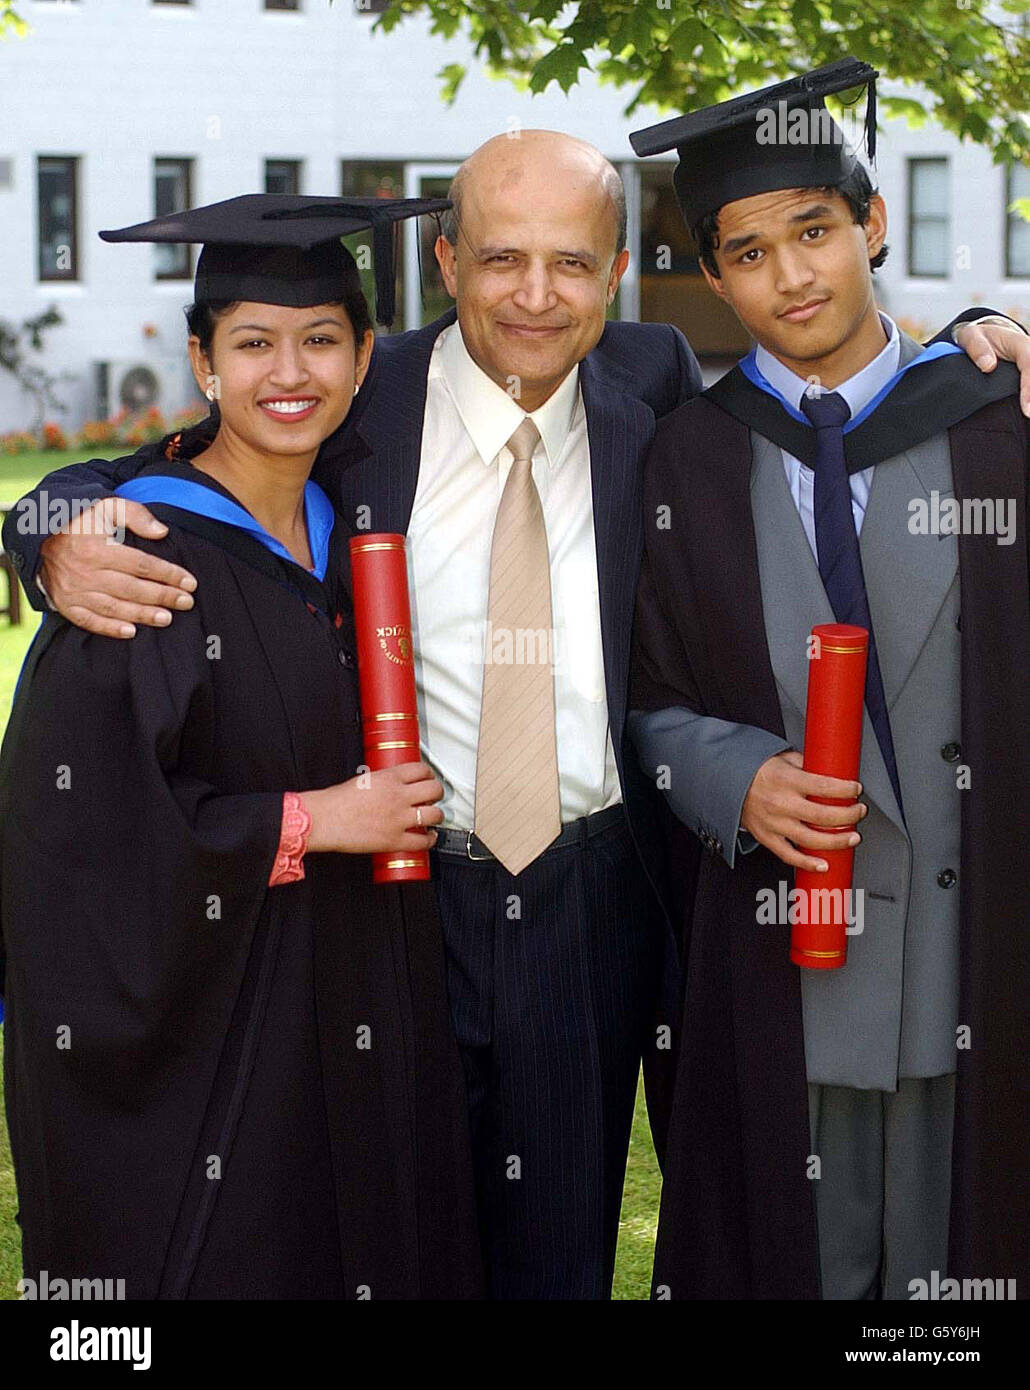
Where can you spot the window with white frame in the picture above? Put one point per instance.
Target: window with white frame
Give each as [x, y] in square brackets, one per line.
[929, 219]
[57, 179]
[282, 175]
[173, 192]
[1017, 228]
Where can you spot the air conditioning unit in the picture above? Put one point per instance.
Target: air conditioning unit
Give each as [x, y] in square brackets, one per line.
[137, 386]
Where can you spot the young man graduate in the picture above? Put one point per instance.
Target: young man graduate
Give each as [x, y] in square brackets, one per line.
[858, 1132]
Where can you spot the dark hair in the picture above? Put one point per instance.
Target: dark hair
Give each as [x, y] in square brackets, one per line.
[856, 188]
[201, 319]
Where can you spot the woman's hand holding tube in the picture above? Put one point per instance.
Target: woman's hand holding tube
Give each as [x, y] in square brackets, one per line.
[376, 812]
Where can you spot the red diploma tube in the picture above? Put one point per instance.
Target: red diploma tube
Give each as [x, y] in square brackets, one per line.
[386, 674]
[833, 748]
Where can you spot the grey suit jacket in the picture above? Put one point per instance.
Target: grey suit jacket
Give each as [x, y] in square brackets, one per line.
[893, 1009]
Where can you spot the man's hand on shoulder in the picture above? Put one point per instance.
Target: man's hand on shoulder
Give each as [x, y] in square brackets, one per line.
[987, 341]
[100, 584]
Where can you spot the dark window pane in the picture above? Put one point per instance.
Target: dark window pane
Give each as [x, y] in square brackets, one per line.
[58, 214]
[435, 299]
[172, 193]
[672, 289]
[373, 179]
[282, 176]
[665, 243]
[282, 4]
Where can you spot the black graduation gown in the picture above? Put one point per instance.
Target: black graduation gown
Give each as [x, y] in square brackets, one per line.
[737, 1217]
[217, 1089]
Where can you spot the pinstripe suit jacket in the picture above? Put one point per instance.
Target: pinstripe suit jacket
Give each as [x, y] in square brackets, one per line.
[635, 375]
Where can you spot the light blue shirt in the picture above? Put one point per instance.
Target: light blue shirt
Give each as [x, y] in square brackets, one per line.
[858, 391]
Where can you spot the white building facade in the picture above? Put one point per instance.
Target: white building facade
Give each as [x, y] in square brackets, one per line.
[113, 110]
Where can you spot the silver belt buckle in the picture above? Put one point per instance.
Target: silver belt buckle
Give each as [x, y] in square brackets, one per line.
[476, 858]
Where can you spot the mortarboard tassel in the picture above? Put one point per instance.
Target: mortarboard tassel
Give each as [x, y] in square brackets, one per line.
[870, 119]
[418, 258]
[383, 245]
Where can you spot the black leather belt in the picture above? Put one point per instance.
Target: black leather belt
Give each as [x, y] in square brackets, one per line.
[464, 844]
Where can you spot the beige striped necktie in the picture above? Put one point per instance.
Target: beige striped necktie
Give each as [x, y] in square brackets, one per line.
[517, 807]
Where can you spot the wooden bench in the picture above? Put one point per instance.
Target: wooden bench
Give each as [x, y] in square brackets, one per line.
[12, 609]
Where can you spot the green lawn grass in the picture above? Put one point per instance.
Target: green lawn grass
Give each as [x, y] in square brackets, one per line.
[640, 1202]
[10, 1246]
[19, 472]
[639, 1219]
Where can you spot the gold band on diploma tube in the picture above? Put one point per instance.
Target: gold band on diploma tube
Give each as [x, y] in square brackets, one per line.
[376, 545]
[825, 647]
[819, 955]
[397, 743]
[402, 863]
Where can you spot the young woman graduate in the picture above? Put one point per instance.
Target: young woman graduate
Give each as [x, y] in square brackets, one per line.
[229, 1067]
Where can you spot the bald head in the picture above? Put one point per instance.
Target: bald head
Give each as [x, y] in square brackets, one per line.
[533, 256]
[531, 165]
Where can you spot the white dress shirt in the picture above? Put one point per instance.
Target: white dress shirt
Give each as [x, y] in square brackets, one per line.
[858, 391]
[464, 465]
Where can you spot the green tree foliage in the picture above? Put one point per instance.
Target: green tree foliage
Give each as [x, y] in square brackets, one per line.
[10, 23]
[966, 63]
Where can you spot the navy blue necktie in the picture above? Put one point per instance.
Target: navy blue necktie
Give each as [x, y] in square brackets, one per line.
[840, 560]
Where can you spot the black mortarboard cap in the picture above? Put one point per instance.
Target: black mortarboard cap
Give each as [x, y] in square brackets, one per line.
[286, 249]
[754, 144]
